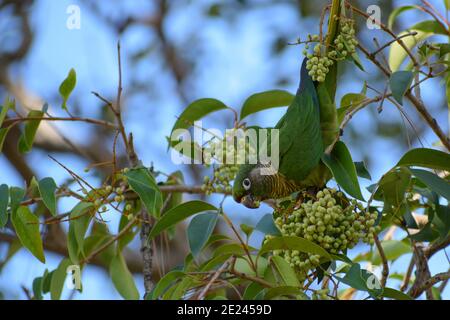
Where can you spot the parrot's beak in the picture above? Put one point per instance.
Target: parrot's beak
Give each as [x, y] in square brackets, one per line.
[250, 202]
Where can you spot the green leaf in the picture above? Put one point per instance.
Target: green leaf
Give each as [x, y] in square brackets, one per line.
[424, 29]
[80, 217]
[361, 170]
[26, 225]
[252, 291]
[178, 214]
[400, 82]
[4, 200]
[426, 234]
[67, 86]
[229, 248]
[441, 220]
[47, 188]
[267, 226]
[395, 294]
[243, 265]
[397, 54]
[3, 134]
[165, 282]
[197, 110]
[16, 195]
[434, 182]
[46, 281]
[397, 11]
[431, 26]
[341, 165]
[286, 272]
[58, 279]
[37, 288]
[393, 186]
[293, 243]
[348, 103]
[200, 229]
[8, 105]
[122, 278]
[27, 138]
[144, 184]
[427, 158]
[361, 280]
[266, 100]
[393, 249]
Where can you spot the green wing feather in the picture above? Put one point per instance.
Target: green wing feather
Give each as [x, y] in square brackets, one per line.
[301, 143]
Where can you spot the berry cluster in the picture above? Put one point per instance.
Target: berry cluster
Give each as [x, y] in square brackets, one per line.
[322, 59]
[228, 160]
[328, 219]
[220, 182]
[108, 194]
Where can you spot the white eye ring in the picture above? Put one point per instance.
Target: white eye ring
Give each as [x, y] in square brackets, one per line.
[246, 183]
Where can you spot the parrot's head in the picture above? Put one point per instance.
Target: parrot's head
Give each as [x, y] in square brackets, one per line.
[249, 186]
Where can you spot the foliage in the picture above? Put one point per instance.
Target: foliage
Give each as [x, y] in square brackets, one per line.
[307, 239]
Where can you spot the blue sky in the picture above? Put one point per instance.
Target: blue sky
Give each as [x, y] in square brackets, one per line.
[235, 62]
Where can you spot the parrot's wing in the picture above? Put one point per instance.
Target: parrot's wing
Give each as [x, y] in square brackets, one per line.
[300, 138]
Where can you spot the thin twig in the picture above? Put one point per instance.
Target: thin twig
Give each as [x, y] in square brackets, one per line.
[385, 272]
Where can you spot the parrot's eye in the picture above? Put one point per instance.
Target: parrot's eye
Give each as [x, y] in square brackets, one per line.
[246, 183]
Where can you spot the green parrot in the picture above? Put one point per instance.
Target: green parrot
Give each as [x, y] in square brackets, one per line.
[301, 146]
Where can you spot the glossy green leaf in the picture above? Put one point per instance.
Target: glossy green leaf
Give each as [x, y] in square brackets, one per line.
[341, 165]
[286, 272]
[215, 261]
[427, 158]
[178, 214]
[67, 86]
[26, 225]
[252, 291]
[197, 110]
[46, 281]
[27, 138]
[400, 82]
[200, 229]
[47, 188]
[397, 53]
[349, 102]
[266, 100]
[434, 182]
[4, 200]
[122, 278]
[243, 265]
[80, 217]
[58, 279]
[16, 195]
[162, 285]
[424, 29]
[395, 294]
[441, 220]
[293, 243]
[37, 288]
[144, 184]
[362, 280]
[229, 248]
